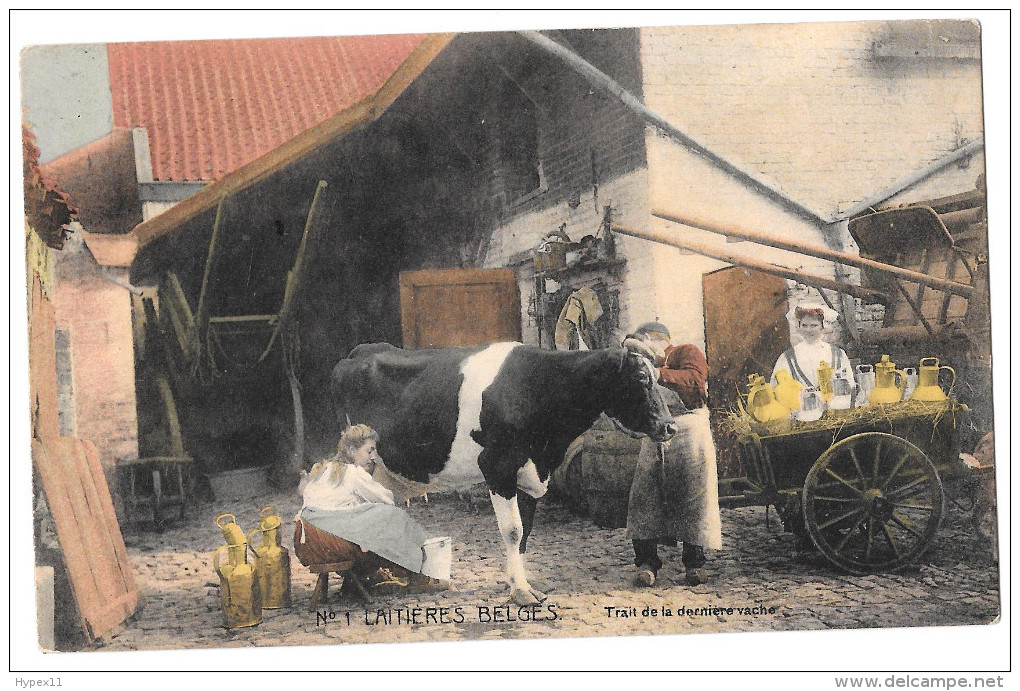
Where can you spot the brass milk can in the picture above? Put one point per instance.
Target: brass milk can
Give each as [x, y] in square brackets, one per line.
[928, 388]
[272, 562]
[825, 387]
[761, 401]
[886, 389]
[240, 595]
[232, 532]
[788, 390]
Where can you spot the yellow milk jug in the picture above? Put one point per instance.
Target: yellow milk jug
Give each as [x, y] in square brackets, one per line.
[887, 390]
[232, 532]
[928, 388]
[240, 596]
[761, 401]
[272, 562]
[788, 390]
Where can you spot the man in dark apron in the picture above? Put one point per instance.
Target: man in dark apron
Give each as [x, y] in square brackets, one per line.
[675, 494]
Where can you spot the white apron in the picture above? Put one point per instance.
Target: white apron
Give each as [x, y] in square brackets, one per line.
[675, 492]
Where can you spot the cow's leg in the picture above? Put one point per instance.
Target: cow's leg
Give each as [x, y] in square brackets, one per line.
[530, 489]
[500, 474]
[527, 505]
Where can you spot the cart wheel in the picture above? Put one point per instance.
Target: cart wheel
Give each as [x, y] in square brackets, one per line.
[872, 502]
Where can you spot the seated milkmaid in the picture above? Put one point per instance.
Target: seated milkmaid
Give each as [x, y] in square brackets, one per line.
[346, 515]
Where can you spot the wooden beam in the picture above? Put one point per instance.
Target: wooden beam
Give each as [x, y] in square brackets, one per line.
[792, 274]
[295, 275]
[820, 252]
[202, 312]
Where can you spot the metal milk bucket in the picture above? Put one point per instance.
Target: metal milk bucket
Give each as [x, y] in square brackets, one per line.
[272, 562]
[438, 557]
[811, 405]
[240, 596]
[866, 380]
[911, 378]
[842, 396]
[928, 388]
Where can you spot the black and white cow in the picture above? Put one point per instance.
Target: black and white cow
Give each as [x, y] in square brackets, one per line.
[503, 413]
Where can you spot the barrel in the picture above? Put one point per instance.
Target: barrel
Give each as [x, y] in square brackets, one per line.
[565, 481]
[607, 470]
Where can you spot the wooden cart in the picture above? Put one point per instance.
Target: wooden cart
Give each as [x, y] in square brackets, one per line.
[867, 487]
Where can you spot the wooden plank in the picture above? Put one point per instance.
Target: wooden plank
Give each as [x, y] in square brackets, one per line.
[313, 222]
[55, 480]
[106, 504]
[915, 307]
[104, 559]
[114, 569]
[97, 557]
[202, 312]
[170, 415]
[90, 538]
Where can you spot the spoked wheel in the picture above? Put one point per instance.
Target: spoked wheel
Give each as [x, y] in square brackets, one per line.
[872, 503]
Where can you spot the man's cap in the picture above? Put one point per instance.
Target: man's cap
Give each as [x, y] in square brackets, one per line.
[653, 327]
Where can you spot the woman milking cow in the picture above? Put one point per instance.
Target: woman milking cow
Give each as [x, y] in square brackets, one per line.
[504, 414]
[347, 515]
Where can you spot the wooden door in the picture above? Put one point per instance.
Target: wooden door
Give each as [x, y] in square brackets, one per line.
[745, 332]
[454, 307]
[90, 538]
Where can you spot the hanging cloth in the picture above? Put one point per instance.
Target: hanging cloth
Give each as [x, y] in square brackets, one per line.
[581, 310]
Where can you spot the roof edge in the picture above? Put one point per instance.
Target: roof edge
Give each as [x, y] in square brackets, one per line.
[111, 250]
[363, 111]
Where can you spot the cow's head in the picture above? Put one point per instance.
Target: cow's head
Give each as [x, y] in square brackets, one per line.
[637, 402]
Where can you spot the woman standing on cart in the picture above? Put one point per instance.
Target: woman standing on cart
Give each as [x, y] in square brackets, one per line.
[674, 496]
[802, 360]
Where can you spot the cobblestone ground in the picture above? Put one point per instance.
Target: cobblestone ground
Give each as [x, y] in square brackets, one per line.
[583, 569]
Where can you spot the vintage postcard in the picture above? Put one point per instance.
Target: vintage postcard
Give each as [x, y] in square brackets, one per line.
[529, 333]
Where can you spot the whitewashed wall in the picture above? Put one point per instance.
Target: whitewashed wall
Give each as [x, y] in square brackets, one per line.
[628, 197]
[806, 108]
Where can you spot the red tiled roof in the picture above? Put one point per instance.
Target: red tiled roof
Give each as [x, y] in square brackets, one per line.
[210, 107]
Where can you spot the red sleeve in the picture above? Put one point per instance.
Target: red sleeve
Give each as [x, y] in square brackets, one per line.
[686, 372]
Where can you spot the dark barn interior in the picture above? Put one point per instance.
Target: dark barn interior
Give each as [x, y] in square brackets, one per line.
[422, 186]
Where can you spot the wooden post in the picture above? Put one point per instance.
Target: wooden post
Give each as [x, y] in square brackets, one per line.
[202, 313]
[294, 275]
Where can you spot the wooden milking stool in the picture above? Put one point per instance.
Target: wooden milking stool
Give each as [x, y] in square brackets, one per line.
[343, 568]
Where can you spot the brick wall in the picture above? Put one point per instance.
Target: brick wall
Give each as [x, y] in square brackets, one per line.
[627, 196]
[593, 155]
[97, 316]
